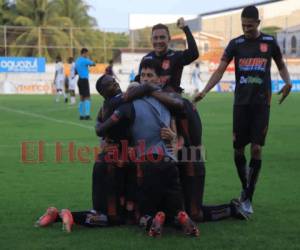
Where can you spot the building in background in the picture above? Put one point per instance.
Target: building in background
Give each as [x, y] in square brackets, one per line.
[289, 41]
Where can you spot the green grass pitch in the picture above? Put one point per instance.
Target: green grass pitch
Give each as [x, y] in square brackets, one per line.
[26, 190]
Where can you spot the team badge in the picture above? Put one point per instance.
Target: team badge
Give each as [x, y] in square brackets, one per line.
[263, 47]
[165, 64]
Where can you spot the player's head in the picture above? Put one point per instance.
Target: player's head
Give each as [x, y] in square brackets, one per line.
[58, 59]
[84, 52]
[150, 71]
[160, 38]
[197, 65]
[70, 59]
[107, 86]
[111, 62]
[250, 21]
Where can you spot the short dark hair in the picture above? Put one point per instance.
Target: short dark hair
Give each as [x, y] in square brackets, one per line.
[58, 58]
[70, 59]
[83, 50]
[161, 26]
[103, 82]
[250, 12]
[151, 64]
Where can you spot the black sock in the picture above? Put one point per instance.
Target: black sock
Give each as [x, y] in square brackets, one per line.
[215, 213]
[240, 163]
[255, 166]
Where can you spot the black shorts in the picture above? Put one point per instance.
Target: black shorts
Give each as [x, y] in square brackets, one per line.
[84, 87]
[250, 124]
[160, 189]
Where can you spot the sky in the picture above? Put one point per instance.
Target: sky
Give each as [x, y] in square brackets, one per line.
[114, 14]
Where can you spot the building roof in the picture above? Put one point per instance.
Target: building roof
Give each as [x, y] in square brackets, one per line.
[237, 8]
[197, 35]
[290, 29]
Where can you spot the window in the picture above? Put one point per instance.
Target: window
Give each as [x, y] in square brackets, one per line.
[293, 45]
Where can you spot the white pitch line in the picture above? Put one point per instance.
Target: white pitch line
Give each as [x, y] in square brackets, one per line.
[46, 117]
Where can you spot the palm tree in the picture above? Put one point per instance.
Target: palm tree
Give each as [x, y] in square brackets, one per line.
[44, 31]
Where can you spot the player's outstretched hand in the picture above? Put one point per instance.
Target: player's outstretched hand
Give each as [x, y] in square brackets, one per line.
[286, 89]
[181, 23]
[199, 96]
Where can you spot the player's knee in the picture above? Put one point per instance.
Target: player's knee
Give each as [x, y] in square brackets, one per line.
[256, 151]
[239, 152]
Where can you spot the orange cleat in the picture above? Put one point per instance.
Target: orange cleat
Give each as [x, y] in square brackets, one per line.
[48, 218]
[188, 226]
[67, 220]
[157, 224]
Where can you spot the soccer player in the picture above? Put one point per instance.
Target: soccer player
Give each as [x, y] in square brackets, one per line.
[72, 80]
[82, 65]
[59, 78]
[252, 53]
[196, 80]
[110, 71]
[172, 62]
[160, 187]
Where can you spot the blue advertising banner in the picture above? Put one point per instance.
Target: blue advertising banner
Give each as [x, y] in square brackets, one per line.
[22, 64]
[278, 84]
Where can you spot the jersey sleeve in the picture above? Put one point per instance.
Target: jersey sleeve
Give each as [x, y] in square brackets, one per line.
[229, 52]
[89, 62]
[191, 53]
[125, 111]
[277, 55]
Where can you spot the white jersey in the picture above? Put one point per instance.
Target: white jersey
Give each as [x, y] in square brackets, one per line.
[196, 81]
[73, 78]
[59, 75]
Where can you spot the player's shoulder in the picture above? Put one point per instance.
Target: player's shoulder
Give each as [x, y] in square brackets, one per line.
[267, 38]
[150, 55]
[238, 40]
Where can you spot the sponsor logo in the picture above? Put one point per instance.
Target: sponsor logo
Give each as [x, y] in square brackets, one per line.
[253, 64]
[22, 64]
[165, 64]
[240, 40]
[251, 80]
[263, 47]
[267, 38]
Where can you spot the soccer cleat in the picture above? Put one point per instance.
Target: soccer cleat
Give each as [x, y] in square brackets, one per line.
[247, 206]
[157, 224]
[96, 219]
[239, 211]
[87, 118]
[67, 220]
[48, 218]
[81, 118]
[188, 226]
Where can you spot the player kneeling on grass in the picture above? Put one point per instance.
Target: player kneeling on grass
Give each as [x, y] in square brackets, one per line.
[159, 187]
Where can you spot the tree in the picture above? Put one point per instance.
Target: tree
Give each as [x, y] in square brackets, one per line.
[270, 30]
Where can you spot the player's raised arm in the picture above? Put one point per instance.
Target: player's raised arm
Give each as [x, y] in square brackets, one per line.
[191, 53]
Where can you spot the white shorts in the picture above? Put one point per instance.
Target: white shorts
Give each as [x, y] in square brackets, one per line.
[73, 82]
[59, 84]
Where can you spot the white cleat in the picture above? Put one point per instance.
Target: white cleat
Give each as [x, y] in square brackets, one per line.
[247, 206]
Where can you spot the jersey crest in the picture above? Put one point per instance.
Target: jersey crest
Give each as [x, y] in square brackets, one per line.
[165, 64]
[263, 47]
